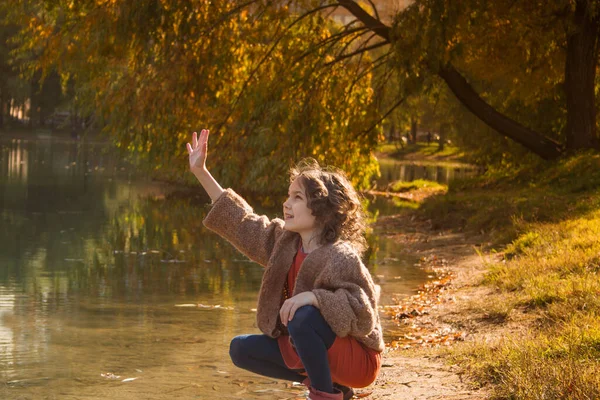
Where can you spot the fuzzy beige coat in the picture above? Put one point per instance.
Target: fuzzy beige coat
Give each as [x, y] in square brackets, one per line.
[334, 273]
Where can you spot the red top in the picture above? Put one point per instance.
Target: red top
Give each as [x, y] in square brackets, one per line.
[352, 363]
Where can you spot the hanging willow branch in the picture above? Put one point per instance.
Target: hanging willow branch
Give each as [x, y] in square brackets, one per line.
[267, 54]
[360, 51]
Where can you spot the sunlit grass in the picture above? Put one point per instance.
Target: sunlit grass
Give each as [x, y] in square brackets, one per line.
[403, 186]
[546, 221]
[560, 365]
[394, 150]
[404, 204]
[505, 203]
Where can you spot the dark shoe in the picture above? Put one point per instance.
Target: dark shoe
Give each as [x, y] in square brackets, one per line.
[314, 394]
[348, 392]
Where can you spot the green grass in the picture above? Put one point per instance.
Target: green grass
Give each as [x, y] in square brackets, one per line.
[419, 150]
[545, 218]
[560, 365]
[505, 203]
[419, 184]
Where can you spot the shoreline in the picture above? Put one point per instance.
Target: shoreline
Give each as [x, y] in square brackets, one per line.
[40, 134]
[418, 367]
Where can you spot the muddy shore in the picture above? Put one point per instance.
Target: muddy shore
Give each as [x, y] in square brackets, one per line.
[417, 365]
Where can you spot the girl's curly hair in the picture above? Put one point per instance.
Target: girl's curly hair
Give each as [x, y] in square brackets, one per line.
[333, 201]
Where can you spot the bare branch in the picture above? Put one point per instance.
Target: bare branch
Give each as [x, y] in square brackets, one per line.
[374, 9]
[360, 51]
[333, 38]
[370, 22]
[374, 65]
[366, 131]
[225, 16]
[267, 54]
[384, 79]
[326, 16]
[352, 41]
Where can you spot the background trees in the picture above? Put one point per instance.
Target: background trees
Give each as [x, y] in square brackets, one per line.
[152, 72]
[505, 61]
[277, 81]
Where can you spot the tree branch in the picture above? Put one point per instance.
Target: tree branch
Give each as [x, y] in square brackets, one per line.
[262, 60]
[333, 38]
[374, 10]
[374, 65]
[226, 15]
[360, 51]
[464, 92]
[370, 22]
[396, 105]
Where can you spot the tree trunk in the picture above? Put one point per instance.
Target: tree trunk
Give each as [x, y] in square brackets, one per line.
[33, 102]
[413, 130]
[442, 134]
[580, 76]
[2, 109]
[537, 143]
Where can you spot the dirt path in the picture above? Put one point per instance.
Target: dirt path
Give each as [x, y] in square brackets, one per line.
[423, 371]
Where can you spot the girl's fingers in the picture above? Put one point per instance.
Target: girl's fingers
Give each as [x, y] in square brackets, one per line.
[283, 313]
[195, 140]
[292, 312]
[189, 148]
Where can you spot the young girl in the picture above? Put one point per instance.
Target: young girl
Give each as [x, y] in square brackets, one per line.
[317, 306]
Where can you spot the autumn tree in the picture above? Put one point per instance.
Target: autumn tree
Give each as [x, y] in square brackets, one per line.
[260, 75]
[283, 80]
[494, 55]
[13, 89]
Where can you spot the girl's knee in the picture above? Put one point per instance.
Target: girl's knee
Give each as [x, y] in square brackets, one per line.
[303, 317]
[237, 351]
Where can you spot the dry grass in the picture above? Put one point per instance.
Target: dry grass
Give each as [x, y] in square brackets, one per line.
[546, 223]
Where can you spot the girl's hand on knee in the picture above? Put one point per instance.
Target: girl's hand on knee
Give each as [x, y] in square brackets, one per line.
[287, 311]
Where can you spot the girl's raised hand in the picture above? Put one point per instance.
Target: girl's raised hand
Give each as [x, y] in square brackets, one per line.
[197, 150]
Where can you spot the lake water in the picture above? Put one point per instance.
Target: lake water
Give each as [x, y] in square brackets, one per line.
[103, 271]
[441, 172]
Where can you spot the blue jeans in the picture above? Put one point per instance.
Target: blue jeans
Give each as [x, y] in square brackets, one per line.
[311, 336]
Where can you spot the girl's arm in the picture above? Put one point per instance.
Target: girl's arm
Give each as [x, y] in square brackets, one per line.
[234, 220]
[349, 309]
[349, 303]
[231, 217]
[197, 152]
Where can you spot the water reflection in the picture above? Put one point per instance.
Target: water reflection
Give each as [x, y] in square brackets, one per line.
[404, 171]
[94, 260]
[17, 163]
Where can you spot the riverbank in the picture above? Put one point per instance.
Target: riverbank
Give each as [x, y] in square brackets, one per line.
[519, 316]
[59, 135]
[421, 152]
[417, 365]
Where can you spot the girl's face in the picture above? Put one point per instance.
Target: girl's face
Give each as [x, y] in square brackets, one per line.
[298, 217]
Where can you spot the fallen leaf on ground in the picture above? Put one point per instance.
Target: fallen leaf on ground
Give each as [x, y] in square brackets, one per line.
[408, 310]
